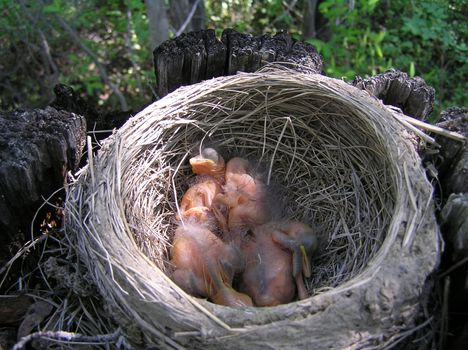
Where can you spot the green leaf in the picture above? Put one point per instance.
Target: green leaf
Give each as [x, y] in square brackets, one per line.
[55, 7]
[412, 70]
[378, 51]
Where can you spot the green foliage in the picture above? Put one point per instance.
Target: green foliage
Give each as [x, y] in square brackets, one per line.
[432, 38]
[421, 37]
[105, 50]
[355, 48]
[104, 45]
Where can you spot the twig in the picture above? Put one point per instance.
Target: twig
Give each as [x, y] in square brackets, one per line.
[68, 337]
[454, 267]
[44, 43]
[435, 129]
[23, 250]
[89, 144]
[128, 45]
[444, 314]
[188, 19]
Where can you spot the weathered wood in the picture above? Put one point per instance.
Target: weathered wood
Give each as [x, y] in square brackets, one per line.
[306, 57]
[456, 179]
[194, 64]
[13, 308]
[37, 148]
[198, 56]
[168, 63]
[273, 47]
[36, 313]
[68, 100]
[215, 54]
[243, 51]
[453, 155]
[454, 223]
[412, 95]
[450, 158]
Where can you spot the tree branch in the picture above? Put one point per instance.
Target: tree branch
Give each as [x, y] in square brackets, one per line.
[66, 337]
[188, 19]
[128, 44]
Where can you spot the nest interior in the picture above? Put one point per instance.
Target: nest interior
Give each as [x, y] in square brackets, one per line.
[329, 168]
[334, 153]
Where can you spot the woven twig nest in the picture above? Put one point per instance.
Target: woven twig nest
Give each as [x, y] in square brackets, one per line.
[346, 164]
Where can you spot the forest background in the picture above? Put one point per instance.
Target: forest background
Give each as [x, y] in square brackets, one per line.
[103, 49]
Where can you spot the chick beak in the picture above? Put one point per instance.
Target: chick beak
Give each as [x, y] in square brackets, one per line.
[306, 269]
[202, 165]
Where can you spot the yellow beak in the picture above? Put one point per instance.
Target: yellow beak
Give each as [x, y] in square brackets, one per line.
[307, 271]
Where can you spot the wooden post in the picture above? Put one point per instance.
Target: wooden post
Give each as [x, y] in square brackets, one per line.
[37, 148]
[197, 56]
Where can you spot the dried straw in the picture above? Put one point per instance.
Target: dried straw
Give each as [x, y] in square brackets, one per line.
[345, 164]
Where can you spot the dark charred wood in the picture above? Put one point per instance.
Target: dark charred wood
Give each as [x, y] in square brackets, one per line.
[282, 48]
[13, 308]
[455, 179]
[412, 95]
[170, 55]
[275, 48]
[37, 148]
[306, 58]
[454, 227]
[450, 158]
[243, 51]
[454, 223]
[198, 56]
[215, 54]
[68, 100]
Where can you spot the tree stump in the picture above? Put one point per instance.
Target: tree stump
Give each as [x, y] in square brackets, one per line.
[37, 148]
[454, 224]
[454, 219]
[452, 160]
[68, 100]
[412, 95]
[197, 56]
[449, 161]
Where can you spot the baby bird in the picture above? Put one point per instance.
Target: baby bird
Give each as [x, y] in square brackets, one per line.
[224, 294]
[267, 277]
[276, 257]
[244, 198]
[196, 204]
[209, 162]
[205, 266]
[301, 240]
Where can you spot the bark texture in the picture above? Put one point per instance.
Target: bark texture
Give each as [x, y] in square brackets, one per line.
[412, 95]
[197, 56]
[453, 155]
[37, 148]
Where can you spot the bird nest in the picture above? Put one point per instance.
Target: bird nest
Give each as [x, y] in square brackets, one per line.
[342, 161]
